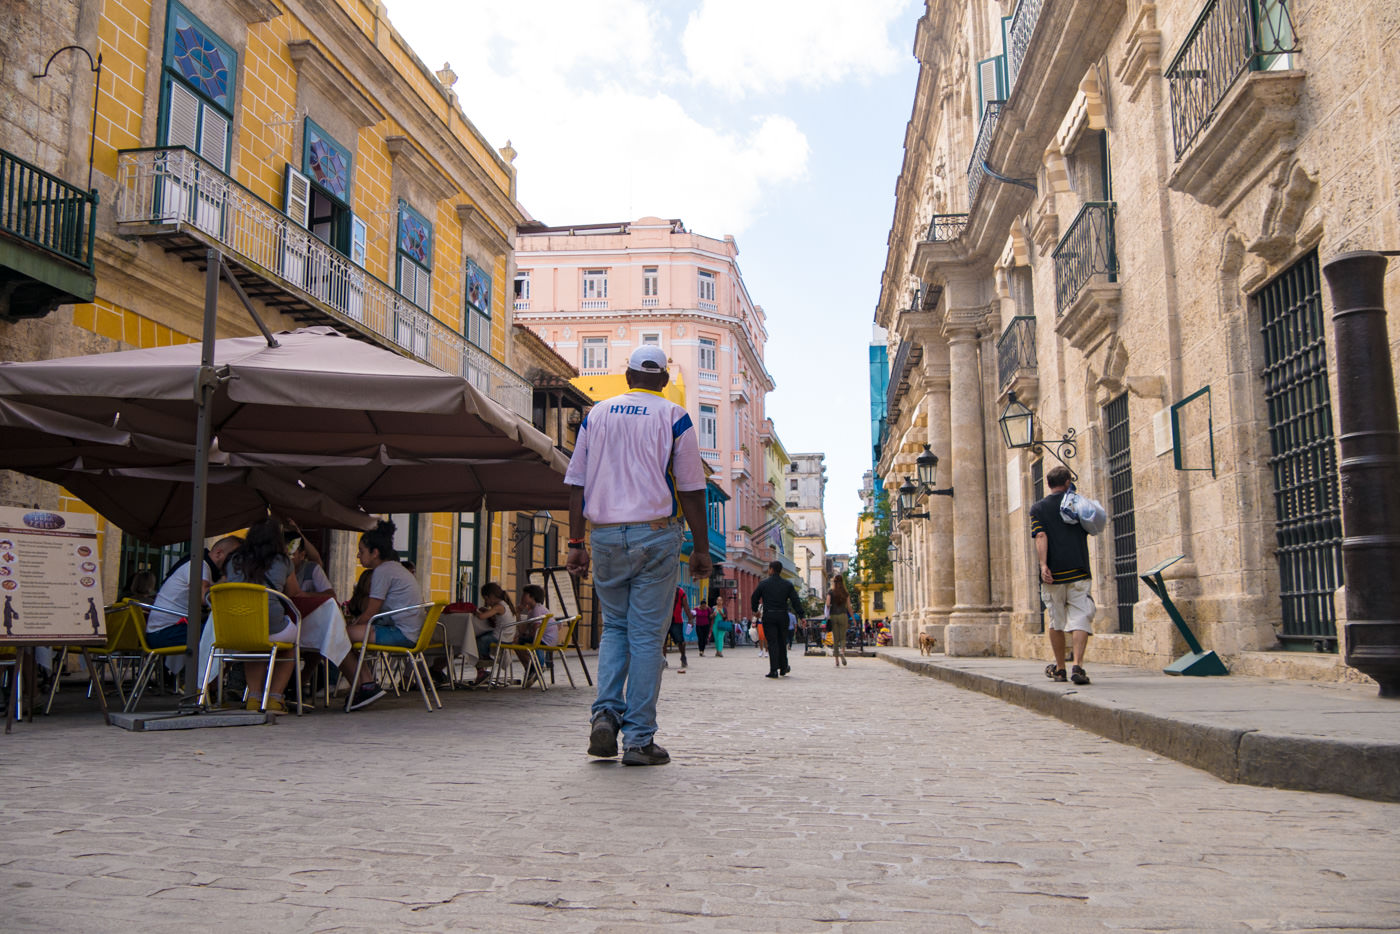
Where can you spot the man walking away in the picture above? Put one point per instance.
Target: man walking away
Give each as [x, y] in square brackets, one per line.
[776, 595]
[1065, 580]
[635, 470]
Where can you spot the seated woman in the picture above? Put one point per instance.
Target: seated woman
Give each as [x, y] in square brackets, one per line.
[391, 587]
[497, 609]
[263, 559]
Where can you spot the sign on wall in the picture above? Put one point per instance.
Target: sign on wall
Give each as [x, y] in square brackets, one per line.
[50, 578]
[478, 287]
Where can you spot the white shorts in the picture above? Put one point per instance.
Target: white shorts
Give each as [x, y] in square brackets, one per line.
[288, 632]
[1070, 606]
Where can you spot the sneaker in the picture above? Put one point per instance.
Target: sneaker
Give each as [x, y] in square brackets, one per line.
[1077, 675]
[719, 655]
[1055, 674]
[602, 736]
[650, 754]
[366, 695]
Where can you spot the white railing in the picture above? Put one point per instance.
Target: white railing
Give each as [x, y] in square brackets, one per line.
[593, 371]
[708, 376]
[710, 456]
[175, 188]
[650, 302]
[708, 306]
[522, 306]
[594, 304]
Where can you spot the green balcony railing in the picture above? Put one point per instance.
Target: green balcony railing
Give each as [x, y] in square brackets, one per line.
[1087, 249]
[44, 210]
[1229, 38]
[1022, 28]
[986, 131]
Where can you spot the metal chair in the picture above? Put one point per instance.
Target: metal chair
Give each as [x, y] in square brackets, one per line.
[417, 663]
[533, 669]
[122, 646]
[241, 617]
[149, 656]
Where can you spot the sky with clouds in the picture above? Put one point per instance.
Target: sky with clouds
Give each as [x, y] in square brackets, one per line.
[778, 121]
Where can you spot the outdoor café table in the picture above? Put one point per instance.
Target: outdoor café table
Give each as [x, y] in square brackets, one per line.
[462, 630]
[322, 630]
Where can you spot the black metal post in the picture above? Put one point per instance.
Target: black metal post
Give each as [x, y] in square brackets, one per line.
[1369, 439]
[204, 385]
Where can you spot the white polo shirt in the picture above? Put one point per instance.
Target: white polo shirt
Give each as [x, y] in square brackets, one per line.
[634, 452]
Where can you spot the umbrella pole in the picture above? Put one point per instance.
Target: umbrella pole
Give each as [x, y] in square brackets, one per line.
[204, 384]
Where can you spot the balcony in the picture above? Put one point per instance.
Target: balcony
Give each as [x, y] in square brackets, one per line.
[172, 196]
[718, 545]
[908, 356]
[767, 498]
[1023, 22]
[741, 465]
[46, 237]
[945, 227]
[1227, 40]
[986, 131]
[1234, 98]
[1016, 360]
[738, 390]
[650, 302]
[1086, 278]
[522, 305]
[738, 541]
[707, 306]
[593, 304]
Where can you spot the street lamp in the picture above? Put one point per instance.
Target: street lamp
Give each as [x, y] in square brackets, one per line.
[927, 467]
[908, 494]
[1018, 431]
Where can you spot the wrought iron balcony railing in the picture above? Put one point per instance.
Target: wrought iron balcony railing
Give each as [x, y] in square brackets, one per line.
[1015, 350]
[1087, 249]
[174, 189]
[986, 130]
[1023, 20]
[1229, 38]
[945, 227]
[44, 210]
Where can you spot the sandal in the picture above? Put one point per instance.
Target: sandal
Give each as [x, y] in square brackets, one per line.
[1055, 674]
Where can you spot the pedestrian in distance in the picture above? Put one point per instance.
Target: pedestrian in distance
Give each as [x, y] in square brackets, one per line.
[680, 615]
[635, 471]
[1065, 581]
[723, 626]
[777, 596]
[704, 616]
[838, 614]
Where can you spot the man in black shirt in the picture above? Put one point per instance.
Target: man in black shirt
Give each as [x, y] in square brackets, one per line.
[1065, 581]
[776, 595]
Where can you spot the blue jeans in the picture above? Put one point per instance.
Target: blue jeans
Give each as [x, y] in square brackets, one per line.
[635, 572]
[391, 635]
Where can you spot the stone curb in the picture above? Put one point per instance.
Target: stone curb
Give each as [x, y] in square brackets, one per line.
[1235, 754]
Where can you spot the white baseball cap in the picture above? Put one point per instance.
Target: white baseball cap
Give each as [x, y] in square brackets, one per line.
[647, 359]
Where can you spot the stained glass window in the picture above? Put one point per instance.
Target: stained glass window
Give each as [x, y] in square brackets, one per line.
[327, 162]
[415, 236]
[199, 57]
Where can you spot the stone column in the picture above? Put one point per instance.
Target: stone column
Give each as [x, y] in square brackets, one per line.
[972, 624]
[940, 508]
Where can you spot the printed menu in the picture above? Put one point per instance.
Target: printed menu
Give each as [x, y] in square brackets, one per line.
[50, 579]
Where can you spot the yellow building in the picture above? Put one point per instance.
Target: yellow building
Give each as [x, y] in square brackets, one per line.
[337, 175]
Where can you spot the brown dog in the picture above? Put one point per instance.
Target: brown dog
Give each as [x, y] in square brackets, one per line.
[926, 644]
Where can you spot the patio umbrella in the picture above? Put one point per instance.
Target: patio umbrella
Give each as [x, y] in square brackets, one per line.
[344, 417]
[156, 503]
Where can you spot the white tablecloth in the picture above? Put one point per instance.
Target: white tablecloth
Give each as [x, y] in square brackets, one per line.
[322, 630]
[462, 632]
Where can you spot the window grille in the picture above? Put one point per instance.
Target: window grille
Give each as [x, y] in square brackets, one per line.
[1120, 509]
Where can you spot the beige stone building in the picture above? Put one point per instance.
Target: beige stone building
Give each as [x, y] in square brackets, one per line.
[1118, 211]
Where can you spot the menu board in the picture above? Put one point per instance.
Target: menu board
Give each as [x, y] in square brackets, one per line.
[50, 578]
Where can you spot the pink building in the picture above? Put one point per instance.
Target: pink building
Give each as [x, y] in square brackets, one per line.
[596, 292]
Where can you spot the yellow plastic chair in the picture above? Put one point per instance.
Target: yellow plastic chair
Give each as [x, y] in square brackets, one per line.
[568, 629]
[239, 614]
[122, 646]
[149, 657]
[414, 654]
[501, 659]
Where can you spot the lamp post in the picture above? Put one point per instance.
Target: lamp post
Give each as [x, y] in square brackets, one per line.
[1018, 430]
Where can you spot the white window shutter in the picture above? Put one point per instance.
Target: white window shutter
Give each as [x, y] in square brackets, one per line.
[182, 117]
[213, 138]
[988, 83]
[424, 293]
[359, 236]
[296, 196]
[406, 277]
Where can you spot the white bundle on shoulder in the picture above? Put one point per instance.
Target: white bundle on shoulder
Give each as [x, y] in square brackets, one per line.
[1088, 514]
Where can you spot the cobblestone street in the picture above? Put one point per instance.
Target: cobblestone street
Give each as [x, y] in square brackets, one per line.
[863, 799]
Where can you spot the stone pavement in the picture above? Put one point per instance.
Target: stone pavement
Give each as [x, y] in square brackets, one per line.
[862, 799]
[1311, 736]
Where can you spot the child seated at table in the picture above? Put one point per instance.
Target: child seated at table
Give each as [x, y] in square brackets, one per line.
[497, 609]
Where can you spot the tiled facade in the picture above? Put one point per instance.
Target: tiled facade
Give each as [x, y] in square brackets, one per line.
[1117, 211]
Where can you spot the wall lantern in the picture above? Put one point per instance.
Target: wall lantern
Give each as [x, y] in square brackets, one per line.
[1018, 431]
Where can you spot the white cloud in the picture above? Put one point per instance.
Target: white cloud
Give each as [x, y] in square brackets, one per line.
[744, 46]
[583, 91]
